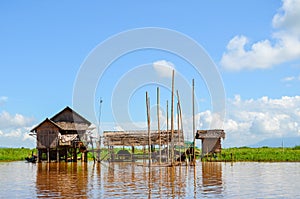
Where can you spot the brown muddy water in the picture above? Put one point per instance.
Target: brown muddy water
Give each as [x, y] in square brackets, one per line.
[127, 180]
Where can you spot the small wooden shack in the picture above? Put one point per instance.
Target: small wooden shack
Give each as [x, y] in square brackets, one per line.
[211, 140]
[140, 138]
[60, 137]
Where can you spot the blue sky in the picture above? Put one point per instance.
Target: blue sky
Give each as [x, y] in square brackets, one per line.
[255, 46]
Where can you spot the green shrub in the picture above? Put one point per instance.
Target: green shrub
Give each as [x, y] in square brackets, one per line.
[13, 154]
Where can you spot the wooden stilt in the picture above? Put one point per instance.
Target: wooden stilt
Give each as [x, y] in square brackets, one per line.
[85, 156]
[57, 155]
[39, 156]
[75, 154]
[149, 133]
[48, 155]
[66, 154]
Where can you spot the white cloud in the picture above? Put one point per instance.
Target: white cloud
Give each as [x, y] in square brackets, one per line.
[283, 46]
[250, 121]
[288, 79]
[118, 128]
[26, 136]
[288, 16]
[11, 121]
[3, 100]
[14, 130]
[163, 68]
[13, 133]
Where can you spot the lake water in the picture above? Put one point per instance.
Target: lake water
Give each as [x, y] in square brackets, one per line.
[124, 180]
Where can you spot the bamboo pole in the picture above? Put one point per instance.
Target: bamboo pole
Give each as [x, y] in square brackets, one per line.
[158, 125]
[99, 144]
[148, 122]
[168, 137]
[194, 136]
[180, 130]
[172, 120]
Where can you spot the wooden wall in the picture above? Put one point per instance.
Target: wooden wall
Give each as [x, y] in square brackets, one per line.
[211, 145]
[47, 135]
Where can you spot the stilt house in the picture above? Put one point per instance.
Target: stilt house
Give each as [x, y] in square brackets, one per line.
[60, 137]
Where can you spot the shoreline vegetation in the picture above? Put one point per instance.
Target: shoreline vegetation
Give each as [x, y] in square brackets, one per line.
[236, 154]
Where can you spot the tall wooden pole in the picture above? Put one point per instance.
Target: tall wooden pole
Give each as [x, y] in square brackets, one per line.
[172, 120]
[168, 137]
[99, 144]
[194, 133]
[180, 113]
[180, 130]
[158, 125]
[148, 122]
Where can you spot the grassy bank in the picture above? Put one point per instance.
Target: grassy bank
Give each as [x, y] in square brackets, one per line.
[14, 154]
[264, 154]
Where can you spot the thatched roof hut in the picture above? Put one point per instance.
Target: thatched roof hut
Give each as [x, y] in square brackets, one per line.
[140, 138]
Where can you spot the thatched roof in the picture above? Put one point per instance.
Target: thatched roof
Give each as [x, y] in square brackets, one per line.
[44, 122]
[140, 138]
[214, 133]
[69, 115]
[68, 126]
[66, 120]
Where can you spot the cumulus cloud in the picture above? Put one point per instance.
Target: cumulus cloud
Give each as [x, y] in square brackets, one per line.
[283, 45]
[252, 120]
[163, 68]
[11, 121]
[14, 130]
[17, 137]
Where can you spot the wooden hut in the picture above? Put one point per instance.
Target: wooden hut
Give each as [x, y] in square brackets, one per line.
[140, 138]
[211, 140]
[61, 135]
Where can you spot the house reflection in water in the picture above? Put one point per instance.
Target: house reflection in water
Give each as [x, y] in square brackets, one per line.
[125, 180]
[62, 180]
[212, 177]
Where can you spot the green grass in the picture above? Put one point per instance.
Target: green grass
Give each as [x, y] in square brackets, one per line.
[14, 154]
[264, 154]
